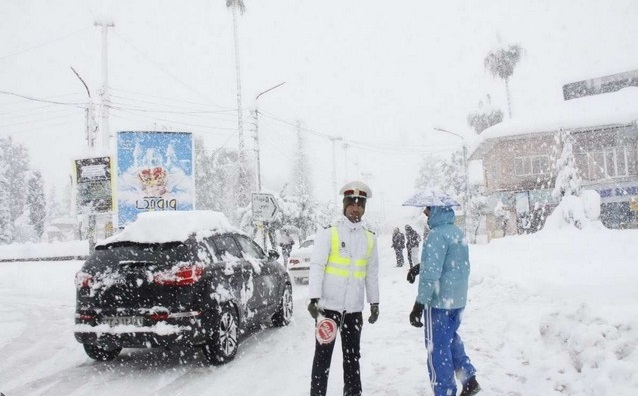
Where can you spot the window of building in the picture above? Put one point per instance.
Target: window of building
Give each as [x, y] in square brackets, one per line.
[531, 165]
[604, 164]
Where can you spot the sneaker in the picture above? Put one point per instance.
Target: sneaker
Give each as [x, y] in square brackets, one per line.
[470, 388]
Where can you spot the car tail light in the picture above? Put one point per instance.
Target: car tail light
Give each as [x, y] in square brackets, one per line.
[82, 279]
[179, 275]
[293, 261]
[159, 316]
[84, 316]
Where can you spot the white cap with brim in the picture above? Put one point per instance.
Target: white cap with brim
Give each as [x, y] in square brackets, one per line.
[356, 189]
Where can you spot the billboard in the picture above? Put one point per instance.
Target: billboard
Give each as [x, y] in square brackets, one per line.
[94, 192]
[154, 172]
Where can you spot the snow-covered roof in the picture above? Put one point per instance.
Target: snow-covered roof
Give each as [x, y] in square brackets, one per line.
[165, 226]
[615, 108]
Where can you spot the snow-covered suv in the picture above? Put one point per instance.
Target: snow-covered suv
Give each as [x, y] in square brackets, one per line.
[178, 278]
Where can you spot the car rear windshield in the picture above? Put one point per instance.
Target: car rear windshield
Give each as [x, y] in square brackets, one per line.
[142, 253]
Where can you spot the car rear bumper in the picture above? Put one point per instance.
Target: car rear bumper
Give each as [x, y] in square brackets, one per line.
[160, 333]
[138, 339]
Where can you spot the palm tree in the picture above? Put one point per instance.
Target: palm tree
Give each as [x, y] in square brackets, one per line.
[501, 64]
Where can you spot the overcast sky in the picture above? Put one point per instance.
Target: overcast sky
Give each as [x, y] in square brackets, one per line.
[376, 73]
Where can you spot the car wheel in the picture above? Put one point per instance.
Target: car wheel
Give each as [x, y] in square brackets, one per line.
[98, 353]
[225, 337]
[283, 316]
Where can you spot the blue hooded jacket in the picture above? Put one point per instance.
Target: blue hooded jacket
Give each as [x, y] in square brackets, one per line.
[445, 263]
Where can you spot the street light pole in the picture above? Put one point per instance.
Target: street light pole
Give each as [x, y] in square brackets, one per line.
[90, 138]
[257, 133]
[467, 180]
[334, 139]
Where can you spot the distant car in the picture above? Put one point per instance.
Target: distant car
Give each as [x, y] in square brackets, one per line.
[299, 261]
[171, 279]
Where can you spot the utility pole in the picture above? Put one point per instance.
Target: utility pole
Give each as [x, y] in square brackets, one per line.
[333, 140]
[104, 92]
[346, 146]
[90, 140]
[257, 150]
[105, 104]
[240, 124]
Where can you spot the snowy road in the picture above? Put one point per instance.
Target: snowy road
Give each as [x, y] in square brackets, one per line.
[550, 315]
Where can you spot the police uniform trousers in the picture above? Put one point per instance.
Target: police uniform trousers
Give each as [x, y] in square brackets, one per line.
[350, 325]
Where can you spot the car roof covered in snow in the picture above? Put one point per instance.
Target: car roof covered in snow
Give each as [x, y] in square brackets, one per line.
[165, 226]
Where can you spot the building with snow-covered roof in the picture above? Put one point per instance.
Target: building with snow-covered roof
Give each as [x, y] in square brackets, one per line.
[518, 157]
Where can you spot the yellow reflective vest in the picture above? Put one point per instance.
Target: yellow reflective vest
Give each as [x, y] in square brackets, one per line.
[344, 267]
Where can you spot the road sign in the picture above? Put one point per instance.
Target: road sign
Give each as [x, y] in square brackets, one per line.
[264, 207]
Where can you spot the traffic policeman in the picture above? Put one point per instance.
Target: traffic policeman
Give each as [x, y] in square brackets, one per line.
[344, 266]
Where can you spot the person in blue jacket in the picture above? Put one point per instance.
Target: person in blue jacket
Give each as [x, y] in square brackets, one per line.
[443, 282]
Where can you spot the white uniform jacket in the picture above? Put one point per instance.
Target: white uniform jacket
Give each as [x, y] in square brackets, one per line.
[345, 293]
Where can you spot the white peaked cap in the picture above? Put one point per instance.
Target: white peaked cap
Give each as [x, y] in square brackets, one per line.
[356, 189]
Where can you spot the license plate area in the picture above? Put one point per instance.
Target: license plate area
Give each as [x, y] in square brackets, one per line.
[113, 321]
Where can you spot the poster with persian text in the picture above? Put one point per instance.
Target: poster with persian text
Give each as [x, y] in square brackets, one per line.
[154, 172]
[92, 178]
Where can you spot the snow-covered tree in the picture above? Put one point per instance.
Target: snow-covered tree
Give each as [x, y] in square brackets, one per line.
[300, 180]
[299, 212]
[485, 116]
[477, 209]
[454, 174]
[224, 187]
[502, 216]
[568, 188]
[568, 181]
[36, 203]
[430, 174]
[500, 63]
[14, 160]
[6, 225]
[204, 177]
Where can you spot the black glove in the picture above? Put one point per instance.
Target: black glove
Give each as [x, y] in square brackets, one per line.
[313, 308]
[413, 272]
[416, 315]
[374, 313]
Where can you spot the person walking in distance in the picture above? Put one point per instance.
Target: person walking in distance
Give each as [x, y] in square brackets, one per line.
[398, 244]
[343, 266]
[442, 296]
[286, 241]
[413, 239]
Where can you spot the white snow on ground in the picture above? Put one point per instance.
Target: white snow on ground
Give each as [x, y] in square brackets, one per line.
[549, 314]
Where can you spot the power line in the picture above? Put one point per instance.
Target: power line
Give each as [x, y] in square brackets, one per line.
[187, 109]
[43, 44]
[174, 121]
[160, 67]
[83, 105]
[171, 99]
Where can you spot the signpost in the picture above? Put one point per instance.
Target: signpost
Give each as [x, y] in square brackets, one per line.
[265, 209]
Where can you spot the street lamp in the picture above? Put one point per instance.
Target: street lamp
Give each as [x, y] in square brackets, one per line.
[90, 139]
[257, 132]
[467, 180]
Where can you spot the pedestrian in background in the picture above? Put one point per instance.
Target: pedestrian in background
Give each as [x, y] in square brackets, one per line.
[443, 283]
[398, 244]
[412, 244]
[285, 242]
[344, 265]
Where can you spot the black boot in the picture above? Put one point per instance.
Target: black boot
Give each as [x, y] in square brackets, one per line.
[471, 387]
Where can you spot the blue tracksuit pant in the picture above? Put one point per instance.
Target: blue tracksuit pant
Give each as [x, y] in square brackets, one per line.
[446, 354]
